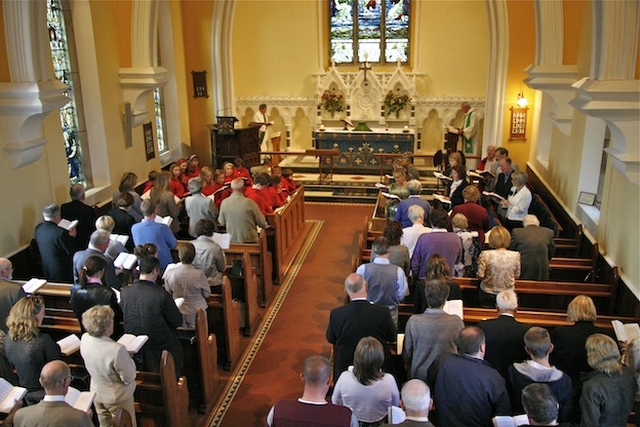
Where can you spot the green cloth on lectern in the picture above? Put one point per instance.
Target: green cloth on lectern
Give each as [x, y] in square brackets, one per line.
[362, 127]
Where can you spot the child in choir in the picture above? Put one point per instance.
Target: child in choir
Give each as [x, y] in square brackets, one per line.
[229, 172]
[286, 181]
[176, 185]
[208, 184]
[221, 189]
[152, 179]
[278, 197]
[242, 172]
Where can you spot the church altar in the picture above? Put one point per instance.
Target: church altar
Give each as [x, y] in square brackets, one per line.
[358, 149]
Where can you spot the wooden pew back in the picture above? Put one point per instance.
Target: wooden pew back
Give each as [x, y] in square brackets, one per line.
[160, 399]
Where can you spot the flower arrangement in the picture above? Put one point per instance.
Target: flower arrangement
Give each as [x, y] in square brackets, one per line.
[396, 102]
[332, 102]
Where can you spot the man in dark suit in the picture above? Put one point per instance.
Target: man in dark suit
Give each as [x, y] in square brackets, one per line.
[149, 310]
[536, 247]
[76, 209]
[52, 411]
[56, 246]
[98, 244]
[356, 320]
[10, 292]
[504, 335]
[124, 221]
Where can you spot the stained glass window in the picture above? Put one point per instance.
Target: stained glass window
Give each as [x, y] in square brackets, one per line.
[61, 55]
[373, 30]
[158, 104]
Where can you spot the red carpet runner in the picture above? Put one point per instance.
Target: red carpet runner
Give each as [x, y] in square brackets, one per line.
[298, 329]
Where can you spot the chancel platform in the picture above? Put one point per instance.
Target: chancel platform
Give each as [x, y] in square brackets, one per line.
[364, 150]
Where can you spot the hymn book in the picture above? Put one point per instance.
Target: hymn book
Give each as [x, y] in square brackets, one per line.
[33, 285]
[179, 302]
[125, 261]
[9, 394]
[625, 332]
[133, 343]
[222, 239]
[122, 238]
[485, 173]
[492, 194]
[442, 177]
[452, 129]
[80, 400]
[441, 198]
[67, 225]
[167, 220]
[69, 345]
[454, 307]
[396, 415]
[506, 421]
[389, 195]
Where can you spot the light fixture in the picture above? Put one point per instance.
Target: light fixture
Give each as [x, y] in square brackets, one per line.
[522, 101]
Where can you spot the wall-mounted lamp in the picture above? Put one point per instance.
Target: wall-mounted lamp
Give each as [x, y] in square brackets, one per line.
[519, 119]
[522, 101]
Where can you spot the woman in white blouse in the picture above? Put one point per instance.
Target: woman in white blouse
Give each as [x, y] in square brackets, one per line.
[518, 202]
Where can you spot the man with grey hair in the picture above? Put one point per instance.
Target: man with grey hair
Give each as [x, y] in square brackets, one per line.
[56, 246]
[540, 405]
[466, 390]
[351, 322]
[98, 245]
[504, 335]
[241, 215]
[76, 209]
[411, 234]
[52, 411]
[198, 206]
[536, 247]
[10, 292]
[402, 214]
[416, 402]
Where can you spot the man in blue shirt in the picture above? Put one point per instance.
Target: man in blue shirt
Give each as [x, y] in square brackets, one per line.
[150, 231]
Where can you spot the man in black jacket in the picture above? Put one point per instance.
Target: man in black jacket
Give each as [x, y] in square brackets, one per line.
[149, 310]
[77, 209]
[56, 246]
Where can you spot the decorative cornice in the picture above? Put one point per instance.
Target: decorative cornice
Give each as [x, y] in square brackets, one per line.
[617, 102]
[23, 107]
[137, 84]
[556, 81]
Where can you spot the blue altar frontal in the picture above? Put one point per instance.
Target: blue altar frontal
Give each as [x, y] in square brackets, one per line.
[359, 149]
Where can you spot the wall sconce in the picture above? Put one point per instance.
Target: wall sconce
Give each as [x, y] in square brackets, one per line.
[522, 101]
[519, 119]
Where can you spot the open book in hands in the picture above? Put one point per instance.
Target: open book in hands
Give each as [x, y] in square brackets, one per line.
[506, 421]
[9, 394]
[69, 345]
[33, 285]
[133, 343]
[67, 225]
[80, 400]
[442, 176]
[625, 332]
[492, 194]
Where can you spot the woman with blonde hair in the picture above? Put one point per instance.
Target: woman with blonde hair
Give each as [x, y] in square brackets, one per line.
[364, 388]
[608, 392]
[112, 370]
[26, 348]
[399, 188]
[569, 354]
[498, 268]
[165, 200]
[106, 223]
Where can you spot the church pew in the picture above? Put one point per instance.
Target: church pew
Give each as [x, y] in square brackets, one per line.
[206, 377]
[250, 286]
[223, 318]
[60, 321]
[261, 264]
[546, 319]
[160, 400]
[288, 233]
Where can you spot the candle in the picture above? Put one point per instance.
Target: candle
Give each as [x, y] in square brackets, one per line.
[406, 128]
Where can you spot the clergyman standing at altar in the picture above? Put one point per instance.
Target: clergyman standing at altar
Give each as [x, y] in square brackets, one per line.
[469, 130]
[261, 119]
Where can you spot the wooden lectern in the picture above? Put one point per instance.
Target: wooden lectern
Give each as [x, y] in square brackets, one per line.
[243, 143]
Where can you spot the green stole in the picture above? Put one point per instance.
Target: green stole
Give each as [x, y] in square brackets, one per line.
[468, 145]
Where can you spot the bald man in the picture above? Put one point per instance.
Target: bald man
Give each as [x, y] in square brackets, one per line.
[10, 292]
[52, 411]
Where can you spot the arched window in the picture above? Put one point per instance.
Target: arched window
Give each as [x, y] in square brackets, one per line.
[369, 30]
[63, 57]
